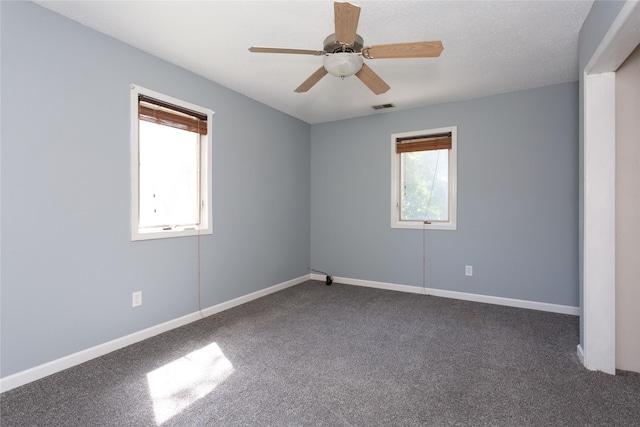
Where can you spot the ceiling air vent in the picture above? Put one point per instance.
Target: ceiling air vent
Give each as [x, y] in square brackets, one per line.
[383, 106]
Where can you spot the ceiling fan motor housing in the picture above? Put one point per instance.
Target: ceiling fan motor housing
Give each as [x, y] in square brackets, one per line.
[332, 45]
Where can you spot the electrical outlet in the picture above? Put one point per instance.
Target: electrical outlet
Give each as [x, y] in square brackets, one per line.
[136, 299]
[468, 270]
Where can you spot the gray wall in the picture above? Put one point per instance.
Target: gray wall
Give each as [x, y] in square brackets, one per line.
[284, 193]
[595, 27]
[517, 198]
[68, 265]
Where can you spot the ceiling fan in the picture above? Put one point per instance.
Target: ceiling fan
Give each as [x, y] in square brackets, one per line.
[344, 52]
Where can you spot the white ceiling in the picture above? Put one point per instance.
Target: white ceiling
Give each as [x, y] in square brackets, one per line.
[490, 47]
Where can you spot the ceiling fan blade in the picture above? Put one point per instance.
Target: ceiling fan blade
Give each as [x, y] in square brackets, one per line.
[404, 50]
[372, 80]
[346, 21]
[312, 80]
[256, 49]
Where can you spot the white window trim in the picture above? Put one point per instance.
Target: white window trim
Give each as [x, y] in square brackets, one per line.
[452, 224]
[206, 217]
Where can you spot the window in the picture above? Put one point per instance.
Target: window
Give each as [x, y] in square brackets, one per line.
[423, 179]
[170, 167]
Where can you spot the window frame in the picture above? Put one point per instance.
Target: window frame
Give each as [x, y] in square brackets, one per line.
[396, 180]
[205, 183]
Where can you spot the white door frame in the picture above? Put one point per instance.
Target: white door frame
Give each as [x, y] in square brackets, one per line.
[599, 319]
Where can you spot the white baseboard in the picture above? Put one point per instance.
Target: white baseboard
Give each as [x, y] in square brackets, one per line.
[46, 369]
[41, 371]
[510, 302]
[581, 355]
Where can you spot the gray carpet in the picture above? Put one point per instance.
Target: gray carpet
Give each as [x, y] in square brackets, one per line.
[339, 355]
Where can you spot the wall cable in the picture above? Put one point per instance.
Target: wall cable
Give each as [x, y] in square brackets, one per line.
[328, 278]
[199, 274]
[426, 243]
[198, 229]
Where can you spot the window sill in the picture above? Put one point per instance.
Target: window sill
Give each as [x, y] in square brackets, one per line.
[158, 233]
[420, 225]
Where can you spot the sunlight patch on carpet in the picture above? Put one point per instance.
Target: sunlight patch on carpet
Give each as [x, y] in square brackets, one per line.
[180, 383]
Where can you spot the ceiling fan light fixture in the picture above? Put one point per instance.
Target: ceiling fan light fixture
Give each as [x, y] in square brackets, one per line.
[343, 64]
